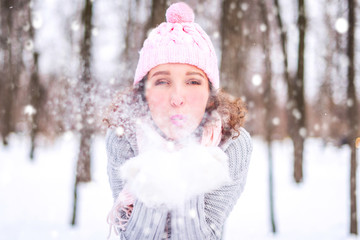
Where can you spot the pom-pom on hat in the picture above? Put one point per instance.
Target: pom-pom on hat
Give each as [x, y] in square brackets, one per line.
[178, 40]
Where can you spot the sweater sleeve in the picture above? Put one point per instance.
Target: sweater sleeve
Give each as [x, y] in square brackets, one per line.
[203, 217]
[118, 151]
[144, 223]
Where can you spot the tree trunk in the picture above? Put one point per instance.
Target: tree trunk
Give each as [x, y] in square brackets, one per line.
[269, 103]
[295, 90]
[131, 48]
[352, 114]
[291, 103]
[83, 170]
[11, 20]
[35, 95]
[299, 130]
[136, 33]
[35, 89]
[8, 79]
[283, 40]
[233, 47]
[158, 10]
[325, 105]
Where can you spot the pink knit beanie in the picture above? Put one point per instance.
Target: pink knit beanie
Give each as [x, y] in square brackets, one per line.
[179, 40]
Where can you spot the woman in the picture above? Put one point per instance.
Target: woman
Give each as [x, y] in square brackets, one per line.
[177, 153]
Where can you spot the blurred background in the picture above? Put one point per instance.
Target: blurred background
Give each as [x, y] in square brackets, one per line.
[295, 63]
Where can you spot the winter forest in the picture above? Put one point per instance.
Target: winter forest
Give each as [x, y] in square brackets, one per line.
[295, 63]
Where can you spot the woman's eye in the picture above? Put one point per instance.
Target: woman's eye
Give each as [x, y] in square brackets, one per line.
[194, 82]
[161, 82]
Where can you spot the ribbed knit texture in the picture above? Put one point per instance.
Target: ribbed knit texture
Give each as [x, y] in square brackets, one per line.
[202, 217]
[179, 40]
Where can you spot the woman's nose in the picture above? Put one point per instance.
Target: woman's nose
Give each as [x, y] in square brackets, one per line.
[177, 99]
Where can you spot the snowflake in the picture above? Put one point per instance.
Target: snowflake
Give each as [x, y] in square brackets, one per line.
[276, 121]
[192, 213]
[296, 113]
[341, 25]
[263, 27]
[349, 102]
[29, 45]
[37, 20]
[75, 26]
[302, 132]
[94, 31]
[29, 110]
[256, 80]
[119, 131]
[244, 6]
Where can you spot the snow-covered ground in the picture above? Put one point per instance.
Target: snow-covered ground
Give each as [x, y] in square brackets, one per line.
[36, 197]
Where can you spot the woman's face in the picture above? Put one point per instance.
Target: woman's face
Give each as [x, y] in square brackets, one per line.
[177, 95]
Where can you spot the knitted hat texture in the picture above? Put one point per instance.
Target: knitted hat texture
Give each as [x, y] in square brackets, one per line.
[178, 40]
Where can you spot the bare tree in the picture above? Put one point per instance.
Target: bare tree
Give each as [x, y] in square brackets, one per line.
[269, 100]
[136, 33]
[296, 100]
[83, 171]
[9, 76]
[352, 114]
[287, 78]
[131, 47]
[158, 9]
[233, 46]
[299, 130]
[324, 104]
[283, 40]
[36, 90]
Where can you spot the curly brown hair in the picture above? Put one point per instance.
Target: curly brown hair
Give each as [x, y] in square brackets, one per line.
[232, 112]
[131, 103]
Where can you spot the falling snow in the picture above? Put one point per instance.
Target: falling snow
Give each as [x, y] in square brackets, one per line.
[302, 132]
[192, 213]
[276, 121]
[256, 80]
[37, 20]
[341, 25]
[244, 6]
[29, 45]
[119, 131]
[21, 180]
[263, 27]
[296, 113]
[75, 26]
[29, 110]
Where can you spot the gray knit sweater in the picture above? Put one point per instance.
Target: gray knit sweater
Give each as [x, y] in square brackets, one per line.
[202, 217]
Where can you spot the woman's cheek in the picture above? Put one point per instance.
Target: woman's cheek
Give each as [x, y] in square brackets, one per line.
[155, 98]
[157, 105]
[198, 100]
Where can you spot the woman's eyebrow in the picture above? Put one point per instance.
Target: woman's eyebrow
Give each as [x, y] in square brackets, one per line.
[195, 73]
[160, 73]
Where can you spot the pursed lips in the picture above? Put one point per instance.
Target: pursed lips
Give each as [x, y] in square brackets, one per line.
[178, 119]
